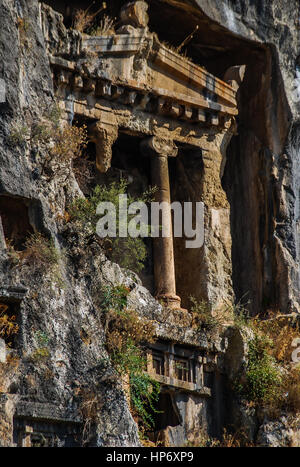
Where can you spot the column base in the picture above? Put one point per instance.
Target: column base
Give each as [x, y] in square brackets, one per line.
[170, 300]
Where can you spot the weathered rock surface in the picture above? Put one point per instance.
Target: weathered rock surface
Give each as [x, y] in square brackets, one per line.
[253, 227]
[59, 313]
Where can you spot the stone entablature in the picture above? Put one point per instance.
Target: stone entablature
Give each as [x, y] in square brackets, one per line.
[134, 68]
[189, 94]
[167, 75]
[179, 368]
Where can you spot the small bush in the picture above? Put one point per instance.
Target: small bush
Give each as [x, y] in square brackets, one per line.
[54, 115]
[68, 143]
[40, 252]
[263, 378]
[90, 407]
[125, 331]
[144, 395]
[128, 252]
[241, 316]
[281, 332]
[84, 19]
[204, 319]
[291, 390]
[42, 352]
[41, 133]
[25, 30]
[105, 28]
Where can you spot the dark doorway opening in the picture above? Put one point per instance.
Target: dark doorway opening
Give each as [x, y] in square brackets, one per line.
[15, 220]
[166, 416]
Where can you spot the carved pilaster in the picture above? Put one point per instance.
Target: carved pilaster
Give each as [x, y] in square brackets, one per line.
[103, 135]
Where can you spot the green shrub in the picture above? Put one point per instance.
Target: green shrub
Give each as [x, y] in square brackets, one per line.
[263, 377]
[54, 115]
[241, 316]
[42, 351]
[41, 133]
[128, 252]
[42, 338]
[114, 297]
[40, 354]
[144, 395]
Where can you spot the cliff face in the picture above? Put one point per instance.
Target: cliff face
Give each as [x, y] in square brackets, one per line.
[261, 173]
[251, 188]
[60, 312]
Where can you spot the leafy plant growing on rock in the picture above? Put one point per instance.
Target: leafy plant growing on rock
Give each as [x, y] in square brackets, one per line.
[271, 380]
[128, 252]
[18, 134]
[263, 377]
[40, 255]
[42, 352]
[68, 143]
[126, 334]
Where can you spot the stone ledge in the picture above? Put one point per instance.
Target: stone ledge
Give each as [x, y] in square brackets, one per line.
[176, 384]
[13, 293]
[46, 412]
[118, 43]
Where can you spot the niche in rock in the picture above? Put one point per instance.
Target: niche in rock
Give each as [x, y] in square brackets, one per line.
[15, 219]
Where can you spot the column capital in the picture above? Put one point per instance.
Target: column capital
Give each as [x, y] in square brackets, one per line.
[155, 146]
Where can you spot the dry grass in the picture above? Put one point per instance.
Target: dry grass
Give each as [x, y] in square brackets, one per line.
[210, 321]
[25, 29]
[84, 19]
[8, 326]
[90, 407]
[105, 28]
[228, 440]
[291, 388]
[7, 370]
[68, 145]
[84, 171]
[40, 252]
[282, 331]
[69, 142]
[125, 326]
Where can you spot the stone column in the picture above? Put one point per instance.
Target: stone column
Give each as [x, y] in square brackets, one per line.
[164, 269]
